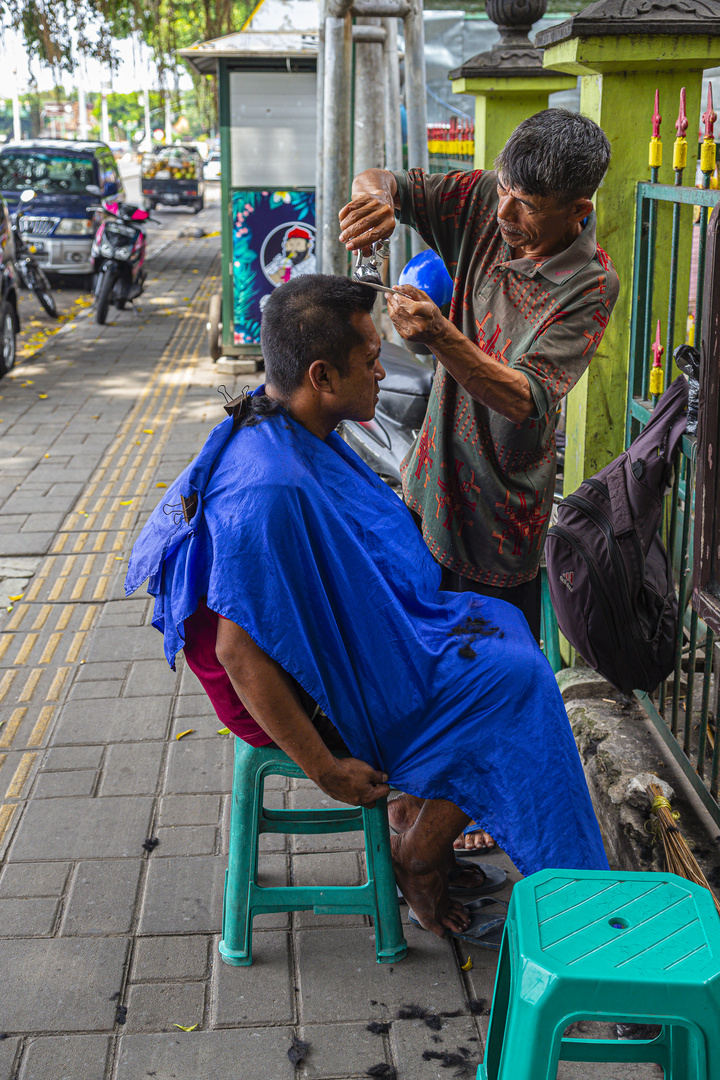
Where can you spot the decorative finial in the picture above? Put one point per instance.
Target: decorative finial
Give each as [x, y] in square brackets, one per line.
[709, 116]
[657, 118]
[656, 371]
[681, 124]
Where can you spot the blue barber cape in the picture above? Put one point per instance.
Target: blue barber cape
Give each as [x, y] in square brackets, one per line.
[300, 544]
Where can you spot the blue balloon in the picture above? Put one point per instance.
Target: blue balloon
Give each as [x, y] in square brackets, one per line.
[426, 271]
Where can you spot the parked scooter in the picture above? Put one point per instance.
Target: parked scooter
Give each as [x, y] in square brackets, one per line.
[118, 254]
[31, 275]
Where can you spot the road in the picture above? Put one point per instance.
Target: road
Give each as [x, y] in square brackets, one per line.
[37, 327]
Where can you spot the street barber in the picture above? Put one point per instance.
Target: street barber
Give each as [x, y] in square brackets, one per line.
[290, 573]
[532, 296]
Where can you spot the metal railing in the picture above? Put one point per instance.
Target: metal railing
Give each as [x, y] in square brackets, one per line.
[685, 708]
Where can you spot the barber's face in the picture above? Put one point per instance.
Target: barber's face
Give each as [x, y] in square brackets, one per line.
[536, 224]
[358, 390]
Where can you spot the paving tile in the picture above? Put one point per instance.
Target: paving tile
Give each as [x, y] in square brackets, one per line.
[337, 868]
[167, 958]
[340, 1050]
[410, 1039]
[82, 829]
[28, 916]
[29, 543]
[102, 688]
[33, 879]
[69, 1057]
[60, 984]
[9, 1049]
[119, 720]
[158, 1006]
[106, 669]
[186, 840]
[330, 958]
[243, 1055]
[72, 757]
[183, 895]
[45, 520]
[195, 707]
[102, 897]
[131, 643]
[124, 613]
[150, 677]
[189, 810]
[52, 785]
[259, 994]
[131, 769]
[199, 765]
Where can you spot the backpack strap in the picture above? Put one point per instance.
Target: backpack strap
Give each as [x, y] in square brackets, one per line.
[622, 515]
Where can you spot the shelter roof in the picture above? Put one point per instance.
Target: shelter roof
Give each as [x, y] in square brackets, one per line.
[276, 29]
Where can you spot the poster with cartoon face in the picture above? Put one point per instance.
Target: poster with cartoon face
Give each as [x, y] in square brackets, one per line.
[273, 240]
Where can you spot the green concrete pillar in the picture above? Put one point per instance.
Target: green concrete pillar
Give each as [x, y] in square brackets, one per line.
[665, 49]
[508, 82]
[502, 102]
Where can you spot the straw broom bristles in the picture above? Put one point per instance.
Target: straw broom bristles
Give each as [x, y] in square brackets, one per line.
[679, 859]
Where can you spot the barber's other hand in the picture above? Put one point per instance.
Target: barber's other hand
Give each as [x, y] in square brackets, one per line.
[414, 315]
[352, 781]
[366, 219]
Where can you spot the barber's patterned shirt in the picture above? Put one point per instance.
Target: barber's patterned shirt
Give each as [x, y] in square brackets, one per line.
[482, 484]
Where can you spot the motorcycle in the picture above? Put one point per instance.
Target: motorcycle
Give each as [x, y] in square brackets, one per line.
[31, 275]
[118, 254]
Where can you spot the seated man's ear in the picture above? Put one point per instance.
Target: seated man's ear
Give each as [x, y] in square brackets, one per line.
[323, 376]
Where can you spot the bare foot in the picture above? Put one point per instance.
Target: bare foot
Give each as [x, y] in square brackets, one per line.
[475, 841]
[403, 812]
[426, 892]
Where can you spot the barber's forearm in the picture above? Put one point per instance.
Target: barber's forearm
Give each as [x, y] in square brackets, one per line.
[376, 182]
[491, 383]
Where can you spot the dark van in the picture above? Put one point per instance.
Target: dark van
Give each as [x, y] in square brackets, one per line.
[56, 223]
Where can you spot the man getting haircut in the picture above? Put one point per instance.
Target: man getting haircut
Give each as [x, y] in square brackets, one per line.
[300, 576]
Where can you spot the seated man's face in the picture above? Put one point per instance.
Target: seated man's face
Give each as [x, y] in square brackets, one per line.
[359, 388]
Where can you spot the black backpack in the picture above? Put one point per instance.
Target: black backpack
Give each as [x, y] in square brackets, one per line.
[609, 574]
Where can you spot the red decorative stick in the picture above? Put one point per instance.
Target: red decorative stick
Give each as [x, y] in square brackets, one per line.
[709, 116]
[657, 118]
[681, 124]
[656, 371]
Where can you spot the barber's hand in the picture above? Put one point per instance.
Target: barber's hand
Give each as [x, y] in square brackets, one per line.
[367, 219]
[352, 781]
[414, 315]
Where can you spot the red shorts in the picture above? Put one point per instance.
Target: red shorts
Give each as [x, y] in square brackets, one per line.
[200, 637]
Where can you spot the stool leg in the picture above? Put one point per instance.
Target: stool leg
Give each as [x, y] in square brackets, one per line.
[390, 944]
[498, 1016]
[236, 944]
[531, 1047]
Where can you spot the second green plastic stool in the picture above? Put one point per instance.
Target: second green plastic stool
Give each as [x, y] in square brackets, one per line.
[244, 898]
[610, 946]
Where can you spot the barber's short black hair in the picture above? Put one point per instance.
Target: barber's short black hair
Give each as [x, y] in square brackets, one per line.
[308, 319]
[555, 152]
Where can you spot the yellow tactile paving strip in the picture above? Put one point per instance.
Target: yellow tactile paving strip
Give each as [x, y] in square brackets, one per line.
[67, 592]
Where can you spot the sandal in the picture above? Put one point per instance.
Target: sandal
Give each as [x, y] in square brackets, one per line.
[484, 929]
[494, 879]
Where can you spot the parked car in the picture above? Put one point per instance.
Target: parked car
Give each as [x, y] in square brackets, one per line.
[9, 319]
[172, 176]
[212, 166]
[59, 231]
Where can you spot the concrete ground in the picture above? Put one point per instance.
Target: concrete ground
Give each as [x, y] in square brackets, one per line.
[107, 948]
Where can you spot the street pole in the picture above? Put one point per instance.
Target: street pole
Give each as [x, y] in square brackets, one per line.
[17, 127]
[146, 92]
[168, 118]
[415, 99]
[105, 131]
[82, 112]
[393, 135]
[336, 132]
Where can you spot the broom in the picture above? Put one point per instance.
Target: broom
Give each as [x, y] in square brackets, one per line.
[679, 859]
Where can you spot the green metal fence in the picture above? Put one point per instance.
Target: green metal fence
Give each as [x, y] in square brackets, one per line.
[686, 706]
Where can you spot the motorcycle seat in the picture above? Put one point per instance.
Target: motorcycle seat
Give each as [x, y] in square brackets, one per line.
[403, 373]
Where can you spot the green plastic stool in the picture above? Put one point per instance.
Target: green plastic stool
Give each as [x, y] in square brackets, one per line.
[601, 945]
[244, 898]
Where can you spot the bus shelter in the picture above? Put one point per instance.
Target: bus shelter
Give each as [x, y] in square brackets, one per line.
[266, 84]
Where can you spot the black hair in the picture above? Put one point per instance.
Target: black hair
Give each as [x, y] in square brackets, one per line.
[308, 319]
[555, 152]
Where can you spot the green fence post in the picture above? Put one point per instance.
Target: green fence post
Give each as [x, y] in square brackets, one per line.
[622, 62]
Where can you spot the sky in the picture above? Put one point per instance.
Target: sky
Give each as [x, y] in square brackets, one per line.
[129, 76]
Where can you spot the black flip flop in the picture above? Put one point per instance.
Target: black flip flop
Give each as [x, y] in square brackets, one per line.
[484, 929]
[495, 879]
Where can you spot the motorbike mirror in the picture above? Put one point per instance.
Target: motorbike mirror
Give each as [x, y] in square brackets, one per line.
[27, 195]
[93, 189]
